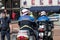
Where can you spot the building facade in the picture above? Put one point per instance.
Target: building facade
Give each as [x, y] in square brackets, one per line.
[10, 5]
[30, 3]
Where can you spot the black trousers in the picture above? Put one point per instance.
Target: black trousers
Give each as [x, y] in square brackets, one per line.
[3, 33]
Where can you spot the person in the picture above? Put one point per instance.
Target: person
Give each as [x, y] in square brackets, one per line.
[43, 16]
[26, 16]
[13, 15]
[5, 29]
[31, 15]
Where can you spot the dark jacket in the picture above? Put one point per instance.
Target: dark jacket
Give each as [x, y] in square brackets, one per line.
[4, 23]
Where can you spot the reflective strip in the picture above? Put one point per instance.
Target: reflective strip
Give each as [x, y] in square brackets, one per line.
[26, 26]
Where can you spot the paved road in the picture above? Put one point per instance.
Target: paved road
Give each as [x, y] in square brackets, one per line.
[57, 33]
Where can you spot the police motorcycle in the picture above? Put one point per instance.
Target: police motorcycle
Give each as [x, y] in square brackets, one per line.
[26, 32]
[45, 30]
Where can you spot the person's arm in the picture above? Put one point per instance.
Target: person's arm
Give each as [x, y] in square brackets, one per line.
[0, 24]
[0, 20]
[9, 20]
[19, 21]
[10, 25]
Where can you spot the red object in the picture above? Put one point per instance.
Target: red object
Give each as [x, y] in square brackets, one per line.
[13, 16]
[58, 1]
[23, 38]
[50, 1]
[33, 2]
[41, 30]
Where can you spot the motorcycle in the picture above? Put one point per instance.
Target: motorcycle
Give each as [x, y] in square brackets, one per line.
[45, 31]
[50, 30]
[25, 34]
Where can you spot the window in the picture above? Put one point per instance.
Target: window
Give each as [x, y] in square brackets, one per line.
[58, 1]
[8, 4]
[16, 3]
[1, 3]
[0, 0]
[50, 1]
[11, 5]
[41, 2]
[33, 2]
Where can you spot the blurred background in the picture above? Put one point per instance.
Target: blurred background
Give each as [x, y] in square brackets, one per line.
[14, 7]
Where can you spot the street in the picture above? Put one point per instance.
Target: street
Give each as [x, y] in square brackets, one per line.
[13, 13]
[56, 34]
